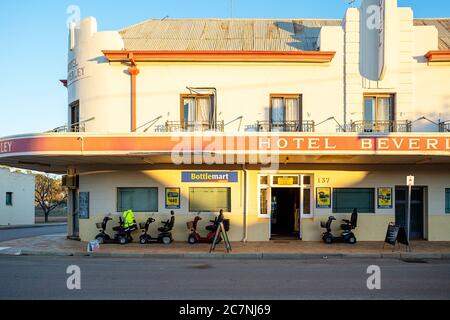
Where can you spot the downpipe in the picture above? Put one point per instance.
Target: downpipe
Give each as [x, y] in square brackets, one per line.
[245, 239]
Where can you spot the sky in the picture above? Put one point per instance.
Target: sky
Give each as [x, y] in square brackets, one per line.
[33, 43]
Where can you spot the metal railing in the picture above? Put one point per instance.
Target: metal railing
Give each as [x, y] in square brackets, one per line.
[188, 126]
[363, 126]
[70, 128]
[444, 126]
[282, 126]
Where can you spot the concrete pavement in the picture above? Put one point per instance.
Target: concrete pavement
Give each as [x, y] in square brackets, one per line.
[58, 245]
[187, 279]
[19, 232]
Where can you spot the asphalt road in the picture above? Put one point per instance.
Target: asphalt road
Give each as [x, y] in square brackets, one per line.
[107, 278]
[12, 234]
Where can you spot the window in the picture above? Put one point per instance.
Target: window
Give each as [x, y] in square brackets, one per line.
[286, 113]
[447, 200]
[209, 199]
[137, 199]
[197, 112]
[378, 113]
[75, 117]
[346, 199]
[9, 198]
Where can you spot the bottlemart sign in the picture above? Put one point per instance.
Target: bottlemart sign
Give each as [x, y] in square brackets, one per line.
[211, 177]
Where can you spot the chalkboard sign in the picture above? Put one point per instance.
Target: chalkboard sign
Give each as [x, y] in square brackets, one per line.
[83, 205]
[396, 234]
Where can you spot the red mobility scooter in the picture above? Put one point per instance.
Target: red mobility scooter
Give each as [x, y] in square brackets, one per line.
[195, 237]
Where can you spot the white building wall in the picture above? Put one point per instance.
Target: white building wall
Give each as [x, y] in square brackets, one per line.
[22, 186]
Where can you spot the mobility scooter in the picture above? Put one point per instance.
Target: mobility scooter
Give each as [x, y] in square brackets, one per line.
[195, 237]
[123, 231]
[347, 235]
[165, 234]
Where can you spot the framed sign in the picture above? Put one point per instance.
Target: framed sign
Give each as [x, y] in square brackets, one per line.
[83, 205]
[384, 198]
[173, 198]
[323, 198]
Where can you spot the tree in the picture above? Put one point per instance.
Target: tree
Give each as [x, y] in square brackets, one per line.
[49, 194]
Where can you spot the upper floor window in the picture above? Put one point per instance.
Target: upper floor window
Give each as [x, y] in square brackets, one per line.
[286, 112]
[198, 112]
[74, 109]
[379, 113]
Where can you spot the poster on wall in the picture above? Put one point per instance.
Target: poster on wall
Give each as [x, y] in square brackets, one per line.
[384, 198]
[83, 205]
[173, 198]
[323, 198]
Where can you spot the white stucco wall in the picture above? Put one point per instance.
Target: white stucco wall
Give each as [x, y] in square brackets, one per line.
[22, 186]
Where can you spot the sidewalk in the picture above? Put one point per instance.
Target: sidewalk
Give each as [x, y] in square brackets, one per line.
[37, 225]
[58, 245]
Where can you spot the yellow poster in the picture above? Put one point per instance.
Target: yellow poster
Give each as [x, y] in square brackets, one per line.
[172, 198]
[323, 198]
[384, 198]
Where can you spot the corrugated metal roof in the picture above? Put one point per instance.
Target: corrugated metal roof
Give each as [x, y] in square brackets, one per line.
[225, 34]
[443, 26]
[242, 34]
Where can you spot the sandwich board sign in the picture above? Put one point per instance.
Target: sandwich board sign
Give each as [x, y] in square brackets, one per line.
[396, 235]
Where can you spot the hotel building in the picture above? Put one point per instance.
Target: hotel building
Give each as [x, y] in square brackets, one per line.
[280, 123]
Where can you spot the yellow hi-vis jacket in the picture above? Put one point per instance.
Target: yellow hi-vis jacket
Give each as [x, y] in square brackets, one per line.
[128, 219]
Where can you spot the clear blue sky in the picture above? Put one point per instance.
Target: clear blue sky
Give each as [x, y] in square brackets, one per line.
[33, 41]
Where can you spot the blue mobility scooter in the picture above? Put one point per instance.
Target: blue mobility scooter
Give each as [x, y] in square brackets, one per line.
[347, 234]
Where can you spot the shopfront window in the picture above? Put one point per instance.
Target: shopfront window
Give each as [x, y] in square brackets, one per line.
[347, 199]
[447, 200]
[137, 199]
[209, 199]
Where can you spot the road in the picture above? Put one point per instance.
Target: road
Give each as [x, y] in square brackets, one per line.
[113, 279]
[12, 234]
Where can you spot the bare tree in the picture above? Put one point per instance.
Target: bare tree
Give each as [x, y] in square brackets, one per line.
[49, 194]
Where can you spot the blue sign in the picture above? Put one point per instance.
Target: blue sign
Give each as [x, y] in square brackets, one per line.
[199, 176]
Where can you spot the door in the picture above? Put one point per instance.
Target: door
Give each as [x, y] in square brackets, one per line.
[285, 212]
[417, 210]
[75, 215]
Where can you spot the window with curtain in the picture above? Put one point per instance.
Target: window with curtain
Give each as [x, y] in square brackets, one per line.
[286, 113]
[209, 199]
[198, 110]
[137, 199]
[447, 200]
[378, 112]
[9, 199]
[347, 199]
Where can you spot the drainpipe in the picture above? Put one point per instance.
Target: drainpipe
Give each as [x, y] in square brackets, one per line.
[245, 204]
[133, 71]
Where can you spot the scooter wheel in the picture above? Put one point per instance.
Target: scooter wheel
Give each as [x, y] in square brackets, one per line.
[100, 240]
[143, 241]
[192, 240]
[166, 240]
[328, 240]
[123, 241]
[352, 240]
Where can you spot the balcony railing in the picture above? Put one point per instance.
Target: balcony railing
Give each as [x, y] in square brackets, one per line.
[282, 126]
[70, 128]
[177, 126]
[378, 126]
[444, 126]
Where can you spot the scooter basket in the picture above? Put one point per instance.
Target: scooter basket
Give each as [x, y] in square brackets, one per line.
[99, 225]
[323, 224]
[190, 225]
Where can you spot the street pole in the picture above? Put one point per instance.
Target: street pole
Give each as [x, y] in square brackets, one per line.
[408, 219]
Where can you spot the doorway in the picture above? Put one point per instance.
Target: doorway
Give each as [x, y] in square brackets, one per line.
[417, 210]
[285, 220]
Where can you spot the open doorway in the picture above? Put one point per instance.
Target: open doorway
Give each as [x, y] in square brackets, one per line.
[285, 221]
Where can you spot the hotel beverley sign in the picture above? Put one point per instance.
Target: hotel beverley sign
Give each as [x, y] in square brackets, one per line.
[298, 143]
